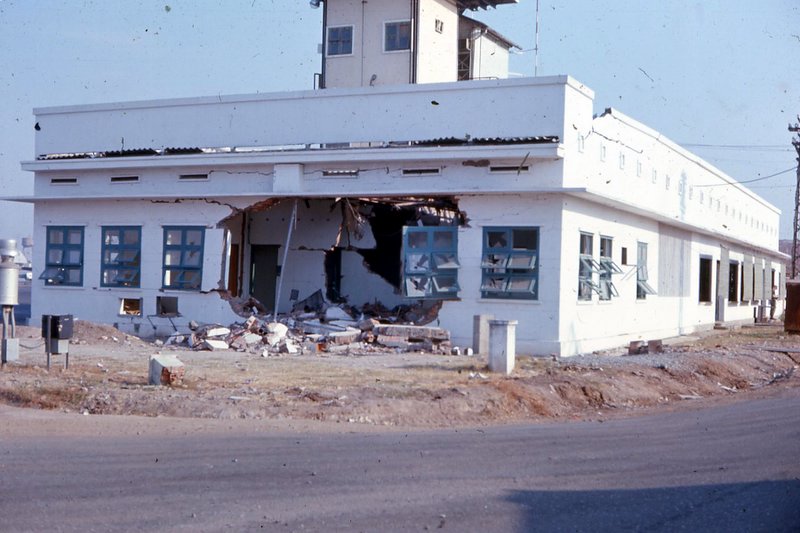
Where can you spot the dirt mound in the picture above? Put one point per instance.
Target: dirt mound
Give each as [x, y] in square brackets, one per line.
[108, 375]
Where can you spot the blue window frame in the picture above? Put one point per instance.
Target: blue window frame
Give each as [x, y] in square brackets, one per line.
[510, 263]
[642, 287]
[587, 267]
[183, 257]
[607, 268]
[430, 262]
[121, 256]
[63, 256]
[340, 41]
[397, 36]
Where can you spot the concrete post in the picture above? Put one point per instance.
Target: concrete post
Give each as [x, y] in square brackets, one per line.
[502, 345]
[480, 333]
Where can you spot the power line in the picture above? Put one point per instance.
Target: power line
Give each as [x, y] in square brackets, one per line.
[752, 180]
[748, 147]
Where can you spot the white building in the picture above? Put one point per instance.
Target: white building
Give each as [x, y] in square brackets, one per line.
[503, 196]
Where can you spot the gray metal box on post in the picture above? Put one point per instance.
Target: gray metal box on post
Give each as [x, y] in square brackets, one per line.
[9, 297]
[57, 331]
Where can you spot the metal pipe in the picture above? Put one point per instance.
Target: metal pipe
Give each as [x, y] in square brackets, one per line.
[292, 223]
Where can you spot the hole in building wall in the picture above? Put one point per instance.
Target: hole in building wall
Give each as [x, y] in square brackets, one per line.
[130, 306]
[167, 306]
[385, 218]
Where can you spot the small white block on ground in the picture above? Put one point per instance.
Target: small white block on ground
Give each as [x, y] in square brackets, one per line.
[165, 370]
[502, 345]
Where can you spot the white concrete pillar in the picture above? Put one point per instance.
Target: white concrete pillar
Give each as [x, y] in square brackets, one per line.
[502, 345]
[480, 334]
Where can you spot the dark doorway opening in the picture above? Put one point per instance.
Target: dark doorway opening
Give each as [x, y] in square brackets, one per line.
[264, 273]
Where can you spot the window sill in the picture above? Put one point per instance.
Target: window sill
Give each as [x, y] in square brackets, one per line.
[404, 51]
[508, 301]
[331, 56]
[68, 287]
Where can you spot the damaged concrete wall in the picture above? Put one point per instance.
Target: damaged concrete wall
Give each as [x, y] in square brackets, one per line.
[315, 233]
[360, 286]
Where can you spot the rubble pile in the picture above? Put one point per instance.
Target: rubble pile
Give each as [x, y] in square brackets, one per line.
[330, 329]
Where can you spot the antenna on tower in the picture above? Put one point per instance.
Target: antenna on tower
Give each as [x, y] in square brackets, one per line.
[536, 46]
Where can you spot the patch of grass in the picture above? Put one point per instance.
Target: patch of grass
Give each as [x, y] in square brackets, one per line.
[43, 397]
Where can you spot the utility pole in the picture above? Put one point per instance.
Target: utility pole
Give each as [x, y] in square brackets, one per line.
[796, 228]
[536, 47]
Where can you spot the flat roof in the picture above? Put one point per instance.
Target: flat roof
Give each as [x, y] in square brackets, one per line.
[482, 4]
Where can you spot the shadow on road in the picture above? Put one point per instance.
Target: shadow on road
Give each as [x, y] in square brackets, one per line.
[758, 506]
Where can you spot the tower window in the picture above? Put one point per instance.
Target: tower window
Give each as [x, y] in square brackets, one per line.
[340, 41]
[397, 36]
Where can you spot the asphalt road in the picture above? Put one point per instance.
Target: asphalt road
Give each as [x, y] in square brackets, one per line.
[728, 468]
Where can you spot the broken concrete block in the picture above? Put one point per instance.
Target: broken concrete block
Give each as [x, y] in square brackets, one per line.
[251, 338]
[336, 313]
[344, 337]
[290, 347]
[193, 325]
[655, 346]
[165, 370]
[315, 326]
[215, 344]
[312, 346]
[251, 324]
[455, 351]
[346, 324]
[218, 332]
[412, 332]
[400, 343]
[276, 332]
[237, 343]
[277, 328]
[175, 338]
[367, 324]
[637, 347]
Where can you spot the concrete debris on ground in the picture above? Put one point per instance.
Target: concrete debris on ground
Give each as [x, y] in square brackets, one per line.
[165, 370]
[643, 347]
[315, 326]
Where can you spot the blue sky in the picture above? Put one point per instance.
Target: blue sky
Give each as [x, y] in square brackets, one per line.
[720, 77]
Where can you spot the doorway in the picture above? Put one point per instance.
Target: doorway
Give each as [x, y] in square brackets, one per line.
[264, 273]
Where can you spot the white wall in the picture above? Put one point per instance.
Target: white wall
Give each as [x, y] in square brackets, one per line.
[634, 165]
[102, 304]
[537, 332]
[437, 54]
[595, 324]
[519, 108]
[489, 59]
[368, 57]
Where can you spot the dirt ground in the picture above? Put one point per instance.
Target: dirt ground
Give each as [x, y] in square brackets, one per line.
[108, 374]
